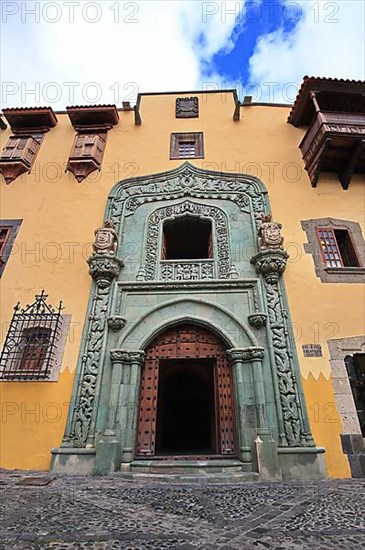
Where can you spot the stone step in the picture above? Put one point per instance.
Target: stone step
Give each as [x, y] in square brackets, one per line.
[231, 477]
[192, 467]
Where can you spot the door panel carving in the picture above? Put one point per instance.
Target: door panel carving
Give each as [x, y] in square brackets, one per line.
[186, 342]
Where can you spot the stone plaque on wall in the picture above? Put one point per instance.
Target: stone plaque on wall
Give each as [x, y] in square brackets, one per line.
[187, 107]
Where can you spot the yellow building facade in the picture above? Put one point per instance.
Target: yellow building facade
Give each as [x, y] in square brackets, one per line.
[56, 217]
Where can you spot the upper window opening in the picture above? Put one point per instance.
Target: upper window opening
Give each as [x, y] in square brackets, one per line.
[187, 145]
[337, 248]
[187, 149]
[187, 238]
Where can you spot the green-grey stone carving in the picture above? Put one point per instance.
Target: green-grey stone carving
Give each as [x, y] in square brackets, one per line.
[257, 320]
[128, 307]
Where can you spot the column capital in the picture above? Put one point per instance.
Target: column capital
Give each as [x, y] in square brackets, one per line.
[270, 264]
[123, 356]
[104, 268]
[244, 355]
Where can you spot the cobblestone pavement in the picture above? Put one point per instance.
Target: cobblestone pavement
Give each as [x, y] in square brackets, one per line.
[111, 513]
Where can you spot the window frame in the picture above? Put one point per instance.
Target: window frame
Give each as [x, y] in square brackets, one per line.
[337, 246]
[33, 318]
[329, 274]
[179, 137]
[14, 226]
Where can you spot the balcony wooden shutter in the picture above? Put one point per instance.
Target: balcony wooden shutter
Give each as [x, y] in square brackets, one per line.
[22, 148]
[89, 145]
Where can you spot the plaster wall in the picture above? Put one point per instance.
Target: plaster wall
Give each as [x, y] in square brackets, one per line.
[59, 216]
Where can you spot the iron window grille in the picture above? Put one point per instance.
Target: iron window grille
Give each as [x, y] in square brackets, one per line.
[29, 351]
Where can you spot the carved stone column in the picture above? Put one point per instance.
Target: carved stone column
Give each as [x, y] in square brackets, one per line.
[293, 424]
[265, 450]
[237, 357]
[80, 429]
[128, 402]
[108, 452]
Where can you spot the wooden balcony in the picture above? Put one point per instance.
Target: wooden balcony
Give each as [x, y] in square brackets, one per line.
[335, 142]
[333, 110]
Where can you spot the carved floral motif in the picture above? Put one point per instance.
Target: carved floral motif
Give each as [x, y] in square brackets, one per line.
[257, 320]
[104, 268]
[91, 357]
[187, 181]
[116, 322]
[271, 265]
[184, 271]
[245, 355]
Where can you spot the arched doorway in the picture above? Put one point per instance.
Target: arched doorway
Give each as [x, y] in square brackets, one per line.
[186, 401]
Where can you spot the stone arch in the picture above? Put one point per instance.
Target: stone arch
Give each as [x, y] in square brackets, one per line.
[217, 319]
[248, 192]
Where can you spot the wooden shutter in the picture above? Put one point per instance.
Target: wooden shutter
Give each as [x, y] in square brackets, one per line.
[210, 244]
[22, 148]
[89, 145]
[163, 247]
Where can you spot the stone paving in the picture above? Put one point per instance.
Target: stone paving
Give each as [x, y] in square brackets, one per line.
[112, 513]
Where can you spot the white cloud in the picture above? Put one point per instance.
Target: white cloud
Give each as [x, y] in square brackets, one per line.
[131, 47]
[327, 41]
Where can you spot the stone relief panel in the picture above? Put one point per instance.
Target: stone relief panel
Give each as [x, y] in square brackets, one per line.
[187, 181]
[187, 107]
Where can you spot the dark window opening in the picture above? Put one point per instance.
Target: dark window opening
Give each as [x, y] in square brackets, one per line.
[337, 248]
[355, 366]
[34, 346]
[186, 421]
[187, 238]
[346, 247]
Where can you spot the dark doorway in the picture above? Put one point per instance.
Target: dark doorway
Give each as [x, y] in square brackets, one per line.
[186, 422]
[355, 365]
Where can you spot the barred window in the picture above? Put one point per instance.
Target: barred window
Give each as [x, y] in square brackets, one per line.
[187, 145]
[29, 350]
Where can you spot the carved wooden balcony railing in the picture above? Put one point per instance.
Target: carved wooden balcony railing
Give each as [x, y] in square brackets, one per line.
[334, 142]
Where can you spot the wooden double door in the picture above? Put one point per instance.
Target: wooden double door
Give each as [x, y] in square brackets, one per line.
[186, 405]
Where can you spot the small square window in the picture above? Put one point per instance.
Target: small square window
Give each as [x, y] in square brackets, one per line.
[190, 145]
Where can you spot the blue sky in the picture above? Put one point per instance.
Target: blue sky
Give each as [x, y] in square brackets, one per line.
[61, 53]
[257, 20]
